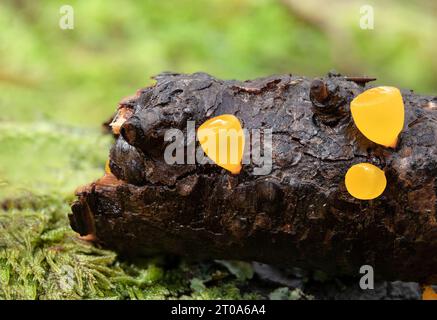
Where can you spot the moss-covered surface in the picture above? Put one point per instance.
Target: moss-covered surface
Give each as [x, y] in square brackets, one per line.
[41, 258]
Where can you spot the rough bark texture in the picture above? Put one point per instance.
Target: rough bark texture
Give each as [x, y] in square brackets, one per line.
[298, 215]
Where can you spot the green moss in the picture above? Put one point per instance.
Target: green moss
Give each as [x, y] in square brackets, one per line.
[226, 291]
[46, 159]
[42, 258]
[285, 293]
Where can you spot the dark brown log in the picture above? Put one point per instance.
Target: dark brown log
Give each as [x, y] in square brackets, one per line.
[300, 214]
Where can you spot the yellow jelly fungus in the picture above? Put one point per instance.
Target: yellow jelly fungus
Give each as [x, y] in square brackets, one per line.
[365, 181]
[379, 114]
[107, 168]
[222, 139]
[429, 293]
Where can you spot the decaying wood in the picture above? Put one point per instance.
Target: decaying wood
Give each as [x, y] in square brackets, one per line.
[300, 214]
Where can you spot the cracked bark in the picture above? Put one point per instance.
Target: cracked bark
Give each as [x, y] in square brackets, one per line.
[300, 214]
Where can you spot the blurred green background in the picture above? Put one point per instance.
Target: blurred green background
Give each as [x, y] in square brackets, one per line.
[77, 76]
[58, 86]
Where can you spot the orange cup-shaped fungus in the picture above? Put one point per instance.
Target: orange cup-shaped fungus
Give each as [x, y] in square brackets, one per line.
[107, 167]
[379, 114]
[365, 181]
[429, 293]
[222, 139]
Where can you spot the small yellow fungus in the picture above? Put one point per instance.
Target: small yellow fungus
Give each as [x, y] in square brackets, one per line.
[379, 114]
[107, 168]
[222, 139]
[429, 293]
[365, 181]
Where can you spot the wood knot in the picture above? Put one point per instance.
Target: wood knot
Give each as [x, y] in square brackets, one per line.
[329, 100]
[318, 92]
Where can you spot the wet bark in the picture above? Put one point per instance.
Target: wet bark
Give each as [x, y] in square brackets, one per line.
[299, 214]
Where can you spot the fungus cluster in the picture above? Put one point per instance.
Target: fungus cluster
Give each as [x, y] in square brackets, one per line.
[378, 114]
